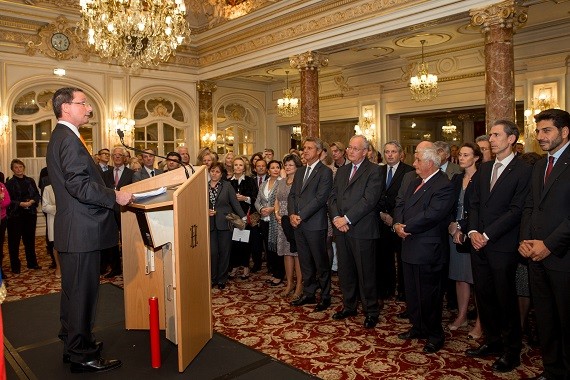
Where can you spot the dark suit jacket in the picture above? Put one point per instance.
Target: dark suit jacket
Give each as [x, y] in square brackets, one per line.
[546, 213]
[143, 174]
[126, 178]
[309, 201]
[256, 180]
[226, 203]
[426, 215]
[452, 169]
[389, 194]
[457, 182]
[248, 188]
[84, 220]
[498, 213]
[357, 200]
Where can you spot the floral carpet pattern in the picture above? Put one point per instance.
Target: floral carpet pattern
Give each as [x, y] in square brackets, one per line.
[255, 314]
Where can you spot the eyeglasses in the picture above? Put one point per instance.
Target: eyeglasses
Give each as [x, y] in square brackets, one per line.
[84, 104]
[354, 148]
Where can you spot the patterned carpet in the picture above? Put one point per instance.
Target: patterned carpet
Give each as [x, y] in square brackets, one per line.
[254, 313]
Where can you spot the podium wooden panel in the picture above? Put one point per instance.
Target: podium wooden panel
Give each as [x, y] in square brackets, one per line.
[188, 201]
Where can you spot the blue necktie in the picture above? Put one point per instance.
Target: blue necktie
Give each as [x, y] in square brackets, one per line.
[389, 178]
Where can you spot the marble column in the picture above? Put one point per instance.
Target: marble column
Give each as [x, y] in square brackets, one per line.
[308, 65]
[498, 23]
[206, 116]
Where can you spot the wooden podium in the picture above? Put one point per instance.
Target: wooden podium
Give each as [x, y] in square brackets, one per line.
[166, 254]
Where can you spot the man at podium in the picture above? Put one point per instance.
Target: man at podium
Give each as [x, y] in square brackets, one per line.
[84, 225]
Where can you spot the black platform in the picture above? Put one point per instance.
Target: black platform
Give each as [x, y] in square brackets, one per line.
[32, 350]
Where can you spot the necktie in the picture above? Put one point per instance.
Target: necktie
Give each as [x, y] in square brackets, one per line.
[419, 187]
[152, 173]
[354, 168]
[495, 174]
[116, 176]
[307, 173]
[389, 177]
[549, 167]
[259, 181]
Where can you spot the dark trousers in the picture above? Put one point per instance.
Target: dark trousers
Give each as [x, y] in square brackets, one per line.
[550, 291]
[424, 299]
[496, 295]
[79, 292]
[387, 281]
[314, 261]
[240, 252]
[220, 247]
[275, 263]
[256, 247]
[3, 225]
[357, 273]
[22, 227]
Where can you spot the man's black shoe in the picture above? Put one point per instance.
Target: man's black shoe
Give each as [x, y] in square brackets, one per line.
[97, 365]
[370, 322]
[304, 300]
[432, 348]
[323, 305]
[485, 350]
[344, 313]
[67, 357]
[411, 335]
[506, 363]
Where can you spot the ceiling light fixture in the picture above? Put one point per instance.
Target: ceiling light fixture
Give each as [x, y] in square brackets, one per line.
[137, 33]
[288, 106]
[423, 86]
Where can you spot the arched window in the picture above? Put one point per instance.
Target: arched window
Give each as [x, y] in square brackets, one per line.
[236, 129]
[33, 122]
[159, 125]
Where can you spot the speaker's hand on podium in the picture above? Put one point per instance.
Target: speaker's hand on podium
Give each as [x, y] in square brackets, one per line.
[123, 197]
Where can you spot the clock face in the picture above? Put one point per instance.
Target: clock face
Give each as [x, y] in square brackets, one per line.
[60, 41]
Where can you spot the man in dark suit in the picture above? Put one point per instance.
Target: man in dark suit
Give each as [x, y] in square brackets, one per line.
[116, 178]
[307, 208]
[148, 169]
[84, 225]
[421, 219]
[353, 208]
[545, 232]
[446, 166]
[392, 175]
[255, 232]
[495, 214]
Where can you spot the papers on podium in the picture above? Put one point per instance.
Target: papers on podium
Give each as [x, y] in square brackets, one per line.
[150, 193]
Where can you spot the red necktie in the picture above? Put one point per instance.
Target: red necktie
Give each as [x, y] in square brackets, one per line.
[259, 185]
[419, 187]
[549, 167]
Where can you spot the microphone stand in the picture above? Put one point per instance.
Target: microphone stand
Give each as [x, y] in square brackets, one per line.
[122, 136]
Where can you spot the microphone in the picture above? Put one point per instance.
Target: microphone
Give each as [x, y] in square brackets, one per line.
[122, 136]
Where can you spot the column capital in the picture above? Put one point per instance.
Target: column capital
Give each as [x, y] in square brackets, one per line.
[206, 87]
[506, 14]
[308, 61]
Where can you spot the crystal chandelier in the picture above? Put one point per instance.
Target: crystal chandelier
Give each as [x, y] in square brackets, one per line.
[449, 128]
[137, 33]
[288, 106]
[423, 86]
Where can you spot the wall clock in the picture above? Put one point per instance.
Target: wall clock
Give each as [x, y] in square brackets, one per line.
[60, 41]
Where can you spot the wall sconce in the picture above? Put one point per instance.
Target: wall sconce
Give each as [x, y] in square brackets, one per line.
[366, 126]
[119, 121]
[4, 125]
[209, 139]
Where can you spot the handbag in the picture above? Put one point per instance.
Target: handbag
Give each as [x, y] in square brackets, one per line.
[235, 221]
[253, 218]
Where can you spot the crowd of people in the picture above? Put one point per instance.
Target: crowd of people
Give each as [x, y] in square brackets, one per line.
[481, 222]
[481, 218]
